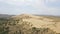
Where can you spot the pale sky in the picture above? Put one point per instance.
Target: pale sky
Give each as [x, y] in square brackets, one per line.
[48, 7]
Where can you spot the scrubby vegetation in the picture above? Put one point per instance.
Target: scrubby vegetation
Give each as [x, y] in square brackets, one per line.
[11, 26]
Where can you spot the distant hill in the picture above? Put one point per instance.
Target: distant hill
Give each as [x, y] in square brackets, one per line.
[48, 16]
[5, 15]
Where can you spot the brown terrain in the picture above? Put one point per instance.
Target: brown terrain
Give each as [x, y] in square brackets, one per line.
[31, 24]
[41, 21]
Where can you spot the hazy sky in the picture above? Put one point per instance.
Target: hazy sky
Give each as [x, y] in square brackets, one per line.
[51, 7]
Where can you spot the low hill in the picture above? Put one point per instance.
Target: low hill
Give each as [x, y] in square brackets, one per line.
[41, 21]
[30, 24]
[5, 15]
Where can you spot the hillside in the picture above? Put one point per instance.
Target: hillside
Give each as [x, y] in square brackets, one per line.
[30, 24]
[41, 21]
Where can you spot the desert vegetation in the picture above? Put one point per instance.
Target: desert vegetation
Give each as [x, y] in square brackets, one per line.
[18, 26]
[10, 26]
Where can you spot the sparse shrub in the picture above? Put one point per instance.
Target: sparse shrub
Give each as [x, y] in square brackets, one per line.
[12, 27]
